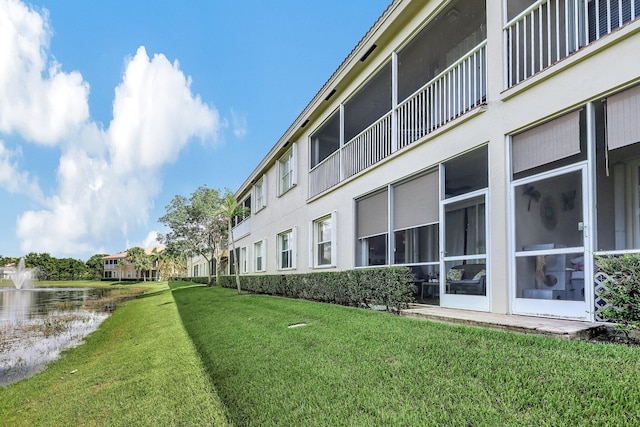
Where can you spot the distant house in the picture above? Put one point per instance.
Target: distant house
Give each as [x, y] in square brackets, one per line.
[7, 271]
[493, 147]
[198, 266]
[116, 267]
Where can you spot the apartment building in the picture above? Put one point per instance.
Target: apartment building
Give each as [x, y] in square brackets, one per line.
[116, 267]
[491, 146]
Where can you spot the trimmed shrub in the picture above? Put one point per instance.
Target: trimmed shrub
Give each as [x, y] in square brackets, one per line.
[388, 287]
[622, 290]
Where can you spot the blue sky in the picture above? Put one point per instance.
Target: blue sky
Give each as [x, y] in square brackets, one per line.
[109, 109]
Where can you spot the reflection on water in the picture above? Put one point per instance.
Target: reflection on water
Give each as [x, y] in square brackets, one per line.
[37, 324]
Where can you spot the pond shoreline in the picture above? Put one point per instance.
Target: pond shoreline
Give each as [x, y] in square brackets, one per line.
[38, 324]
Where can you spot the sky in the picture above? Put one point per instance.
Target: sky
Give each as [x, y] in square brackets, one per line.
[110, 109]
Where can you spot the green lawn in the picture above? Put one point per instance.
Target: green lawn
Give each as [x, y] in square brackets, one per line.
[139, 368]
[357, 367]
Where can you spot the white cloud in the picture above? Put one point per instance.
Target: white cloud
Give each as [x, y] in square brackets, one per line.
[12, 179]
[37, 100]
[155, 114]
[150, 241]
[107, 178]
[240, 127]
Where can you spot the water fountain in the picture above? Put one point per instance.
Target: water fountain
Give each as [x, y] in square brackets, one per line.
[21, 278]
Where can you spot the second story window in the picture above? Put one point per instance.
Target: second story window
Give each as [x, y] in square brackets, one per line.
[287, 170]
[260, 193]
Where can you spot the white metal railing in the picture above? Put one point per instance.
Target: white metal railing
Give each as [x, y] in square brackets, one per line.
[325, 174]
[550, 30]
[367, 148]
[459, 88]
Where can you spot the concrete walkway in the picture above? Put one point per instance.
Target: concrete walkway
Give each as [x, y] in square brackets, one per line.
[567, 329]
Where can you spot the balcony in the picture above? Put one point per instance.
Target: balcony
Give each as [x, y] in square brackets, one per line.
[242, 229]
[458, 89]
[550, 30]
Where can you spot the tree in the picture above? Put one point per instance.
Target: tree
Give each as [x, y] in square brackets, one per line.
[44, 266]
[139, 259]
[69, 268]
[230, 209]
[95, 266]
[157, 259]
[8, 260]
[120, 267]
[196, 223]
[173, 260]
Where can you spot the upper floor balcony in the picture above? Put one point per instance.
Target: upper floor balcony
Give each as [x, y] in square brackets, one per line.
[540, 33]
[241, 229]
[455, 91]
[434, 78]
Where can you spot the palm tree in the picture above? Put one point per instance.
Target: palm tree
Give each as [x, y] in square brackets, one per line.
[120, 266]
[229, 209]
[157, 257]
[138, 258]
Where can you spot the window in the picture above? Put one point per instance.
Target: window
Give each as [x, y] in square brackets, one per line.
[372, 224]
[244, 265]
[323, 238]
[260, 193]
[373, 250]
[258, 252]
[287, 170]
[286, 249]
[416, 215]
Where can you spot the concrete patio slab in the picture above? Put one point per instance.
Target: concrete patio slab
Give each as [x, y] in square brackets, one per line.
[560, 328]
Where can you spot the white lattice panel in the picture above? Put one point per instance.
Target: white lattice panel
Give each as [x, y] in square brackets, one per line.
[601, 284]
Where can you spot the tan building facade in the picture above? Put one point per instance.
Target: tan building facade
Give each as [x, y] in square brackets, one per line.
[116, 267]
[492, 147]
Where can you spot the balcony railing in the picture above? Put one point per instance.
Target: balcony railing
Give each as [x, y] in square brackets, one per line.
[550, 30]
[368, 148]
[456, 90]
[325, 174]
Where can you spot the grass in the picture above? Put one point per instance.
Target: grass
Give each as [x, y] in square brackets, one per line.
[356, 367]
[139, 368]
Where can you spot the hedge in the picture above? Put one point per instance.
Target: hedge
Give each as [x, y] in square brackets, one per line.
[622, 291]
[204, 280]
[389, 287]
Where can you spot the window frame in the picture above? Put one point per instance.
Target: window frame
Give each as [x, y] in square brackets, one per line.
[290, 235]
[260, 194]
[244, 259]
[316, 243]
[260, 254]
[287, 170]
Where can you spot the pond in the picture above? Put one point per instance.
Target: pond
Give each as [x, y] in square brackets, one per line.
[37, 324]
